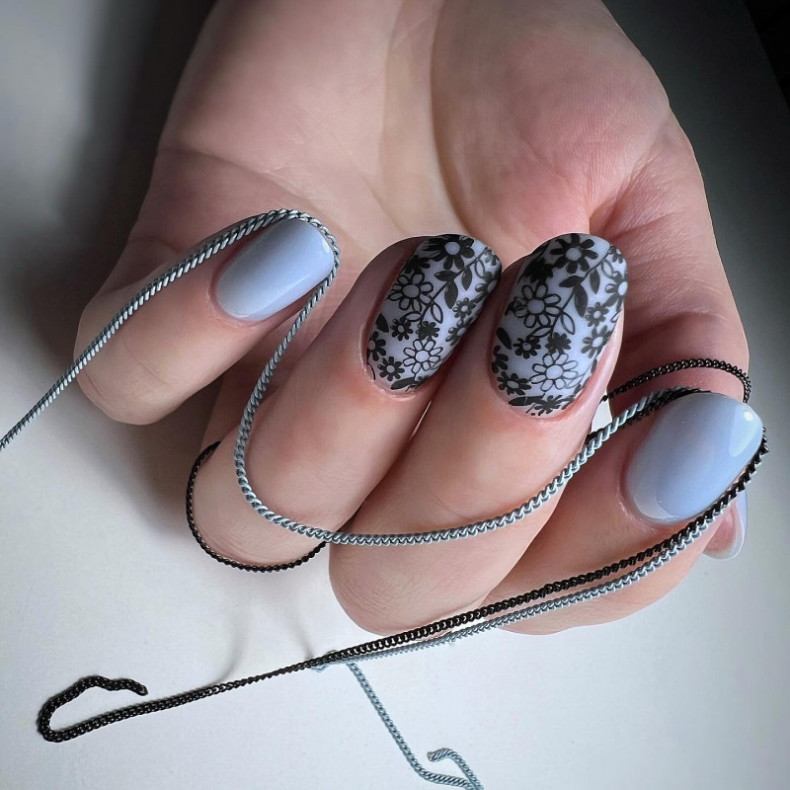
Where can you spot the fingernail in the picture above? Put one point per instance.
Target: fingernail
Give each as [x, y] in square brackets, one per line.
[561, 312]
[436, 297]
[741, 516]
[696, 447]
[283, 262]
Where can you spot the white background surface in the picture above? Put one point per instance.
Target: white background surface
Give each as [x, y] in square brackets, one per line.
[100, 576]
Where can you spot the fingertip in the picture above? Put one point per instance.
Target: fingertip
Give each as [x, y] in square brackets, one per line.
[727, 542]
[274, 269]
[183, 339]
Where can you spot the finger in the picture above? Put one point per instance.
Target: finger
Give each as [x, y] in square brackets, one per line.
[686, 457]
[490, 441]
[200, 325]
[334, 426]
[728, 539]
[654, 477]
[224, 156]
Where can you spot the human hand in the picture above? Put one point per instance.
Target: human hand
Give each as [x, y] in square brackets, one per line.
[509, 122]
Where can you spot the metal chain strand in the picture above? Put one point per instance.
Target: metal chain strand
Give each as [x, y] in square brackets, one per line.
[667, 550]
[470, 782]
[685, 364]
[207, 249]
[648, 404]
[199, 461]
[594, 442]
[454, 628]
[552, 596]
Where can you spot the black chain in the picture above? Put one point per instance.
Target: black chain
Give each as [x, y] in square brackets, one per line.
[412, 635]
[199, 461]
[684, 364]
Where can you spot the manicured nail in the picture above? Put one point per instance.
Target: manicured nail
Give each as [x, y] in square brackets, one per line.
[436, 297]
[741, 516]
[696, 447]
[282, 263]
[562, 311]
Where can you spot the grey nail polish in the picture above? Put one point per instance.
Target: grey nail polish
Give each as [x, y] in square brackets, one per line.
[696, 447]
[436, 297]
[285, 261]
[561, 312]
[734, 549]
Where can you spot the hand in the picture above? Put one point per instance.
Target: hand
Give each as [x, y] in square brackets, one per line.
[510, 122]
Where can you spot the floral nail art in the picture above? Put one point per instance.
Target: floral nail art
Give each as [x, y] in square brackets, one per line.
[436, 297]
[561, 313]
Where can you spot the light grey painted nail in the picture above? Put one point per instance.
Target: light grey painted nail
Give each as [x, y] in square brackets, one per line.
[734, 549]
[696, 447]
[436, 297]
[281, 264]
[562, 311]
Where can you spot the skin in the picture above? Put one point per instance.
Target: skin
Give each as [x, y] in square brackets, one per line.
[512, 122]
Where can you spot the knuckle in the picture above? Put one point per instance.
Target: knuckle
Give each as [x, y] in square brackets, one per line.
[372, 606]
[119, 382]
[118, 409]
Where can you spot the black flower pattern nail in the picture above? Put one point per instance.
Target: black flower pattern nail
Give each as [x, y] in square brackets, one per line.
[561, 313]
[434, 300]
